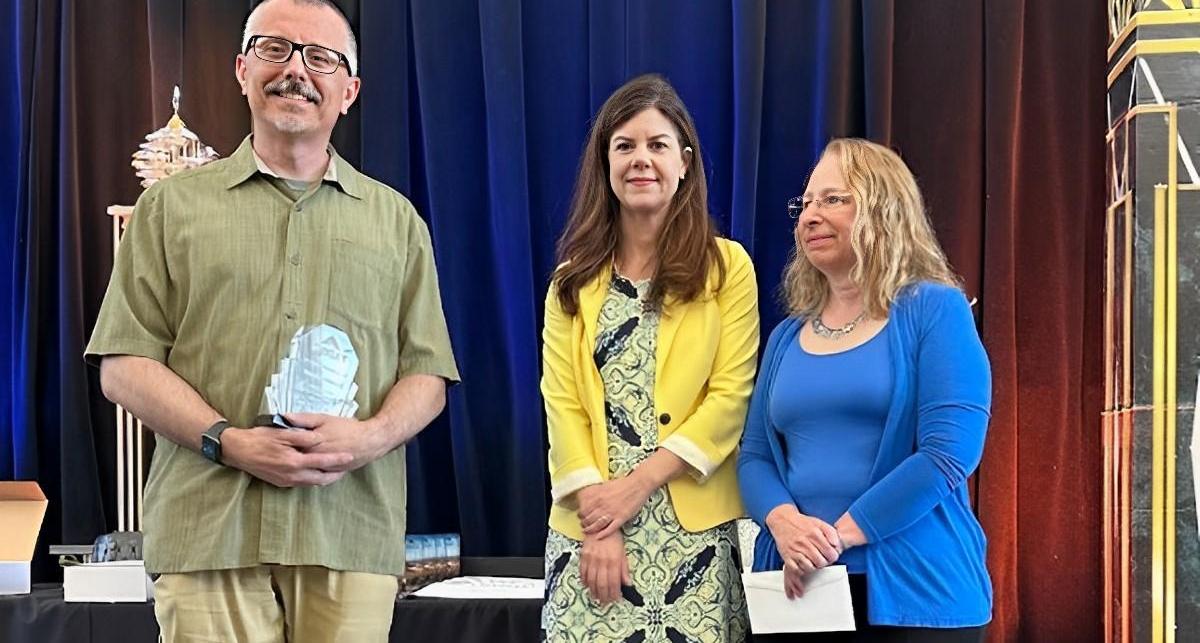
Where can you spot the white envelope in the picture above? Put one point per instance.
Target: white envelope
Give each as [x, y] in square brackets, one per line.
[825, 606]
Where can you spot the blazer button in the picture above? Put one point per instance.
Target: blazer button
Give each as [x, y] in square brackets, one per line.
[664, 419]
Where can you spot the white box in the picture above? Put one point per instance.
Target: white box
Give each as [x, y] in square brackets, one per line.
[22, 507]
[121, 581]
[14, 577]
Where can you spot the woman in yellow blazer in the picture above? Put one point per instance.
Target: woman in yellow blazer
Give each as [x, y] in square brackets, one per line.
[649, 352]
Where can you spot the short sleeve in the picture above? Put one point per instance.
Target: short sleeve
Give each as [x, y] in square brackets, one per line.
[134, 317]
[424, 338]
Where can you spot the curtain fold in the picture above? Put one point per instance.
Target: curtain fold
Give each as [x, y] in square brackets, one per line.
[1039, 482]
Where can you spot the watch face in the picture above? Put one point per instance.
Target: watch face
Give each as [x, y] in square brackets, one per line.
[210, 448]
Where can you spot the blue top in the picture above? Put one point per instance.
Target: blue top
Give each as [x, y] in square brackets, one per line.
[831, 426]
[925, 556]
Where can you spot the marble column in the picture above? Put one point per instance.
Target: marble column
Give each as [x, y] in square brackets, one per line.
[1152, 324]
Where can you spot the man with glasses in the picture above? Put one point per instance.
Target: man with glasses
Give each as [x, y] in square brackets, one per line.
[259, 531]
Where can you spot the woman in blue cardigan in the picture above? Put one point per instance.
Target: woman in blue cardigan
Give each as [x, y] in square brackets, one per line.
[870, 410]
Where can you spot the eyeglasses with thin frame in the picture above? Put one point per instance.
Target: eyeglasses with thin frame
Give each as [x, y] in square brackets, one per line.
[799, 204]
[274, 49]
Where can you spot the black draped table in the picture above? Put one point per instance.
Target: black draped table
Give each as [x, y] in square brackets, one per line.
[42, 617]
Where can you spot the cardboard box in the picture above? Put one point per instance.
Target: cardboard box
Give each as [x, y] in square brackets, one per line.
[119, 581]
[22, 508]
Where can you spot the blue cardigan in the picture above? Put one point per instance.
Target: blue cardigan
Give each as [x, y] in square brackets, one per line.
[925, 551]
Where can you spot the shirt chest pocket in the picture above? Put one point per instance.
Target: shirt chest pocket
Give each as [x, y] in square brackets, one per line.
[364, 285]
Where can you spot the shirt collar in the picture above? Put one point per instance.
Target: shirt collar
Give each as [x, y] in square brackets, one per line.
[245, 163]
[330, 169]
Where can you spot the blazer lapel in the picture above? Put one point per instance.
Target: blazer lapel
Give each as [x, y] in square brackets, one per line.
[591, 298]
[669, 322]
[673, 313]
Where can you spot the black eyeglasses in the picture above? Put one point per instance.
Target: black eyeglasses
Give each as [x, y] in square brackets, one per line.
[322, 60]
[798, 204]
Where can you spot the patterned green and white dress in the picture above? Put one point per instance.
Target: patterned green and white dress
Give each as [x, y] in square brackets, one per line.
[686, 586]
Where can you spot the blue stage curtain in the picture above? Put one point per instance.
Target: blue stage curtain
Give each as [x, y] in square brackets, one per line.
[479, 112]
[47, 402]
[475, 110]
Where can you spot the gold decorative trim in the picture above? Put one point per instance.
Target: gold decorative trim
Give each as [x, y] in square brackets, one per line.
[1157, 491]
[1171, 409]
[1108, 491]
[1119, 430]
[1109, 416]
[1126, 525]
[1134, 112]
[1127, 310]
[1120, 12]
[1110, 278]
[1152, 18]
[1152, 47]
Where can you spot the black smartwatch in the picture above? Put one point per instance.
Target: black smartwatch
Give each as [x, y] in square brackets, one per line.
[210, 442]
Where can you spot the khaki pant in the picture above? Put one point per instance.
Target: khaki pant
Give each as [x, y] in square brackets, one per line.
[274, 604]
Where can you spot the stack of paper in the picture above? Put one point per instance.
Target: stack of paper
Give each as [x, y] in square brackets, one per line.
[478, 587]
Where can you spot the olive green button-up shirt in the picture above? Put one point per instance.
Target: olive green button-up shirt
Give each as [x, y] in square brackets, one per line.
[217, 271]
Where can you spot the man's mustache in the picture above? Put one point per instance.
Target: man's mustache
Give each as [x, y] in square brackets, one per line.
[293, 86]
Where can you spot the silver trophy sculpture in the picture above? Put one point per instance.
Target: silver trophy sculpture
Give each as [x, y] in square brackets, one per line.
[316, 376]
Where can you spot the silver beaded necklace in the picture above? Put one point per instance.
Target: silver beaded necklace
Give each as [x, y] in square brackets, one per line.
[821, 330]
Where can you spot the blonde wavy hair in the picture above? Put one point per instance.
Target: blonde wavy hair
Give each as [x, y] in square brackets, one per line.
[893, 242]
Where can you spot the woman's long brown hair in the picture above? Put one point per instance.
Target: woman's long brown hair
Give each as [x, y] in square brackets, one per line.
[687, 246]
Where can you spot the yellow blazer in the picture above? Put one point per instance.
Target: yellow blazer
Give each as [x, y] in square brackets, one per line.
[705, 360]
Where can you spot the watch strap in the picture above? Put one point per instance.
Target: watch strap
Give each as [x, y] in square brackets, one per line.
[211, 440]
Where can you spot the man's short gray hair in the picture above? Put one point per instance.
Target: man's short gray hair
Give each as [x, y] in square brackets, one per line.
[351, 42]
